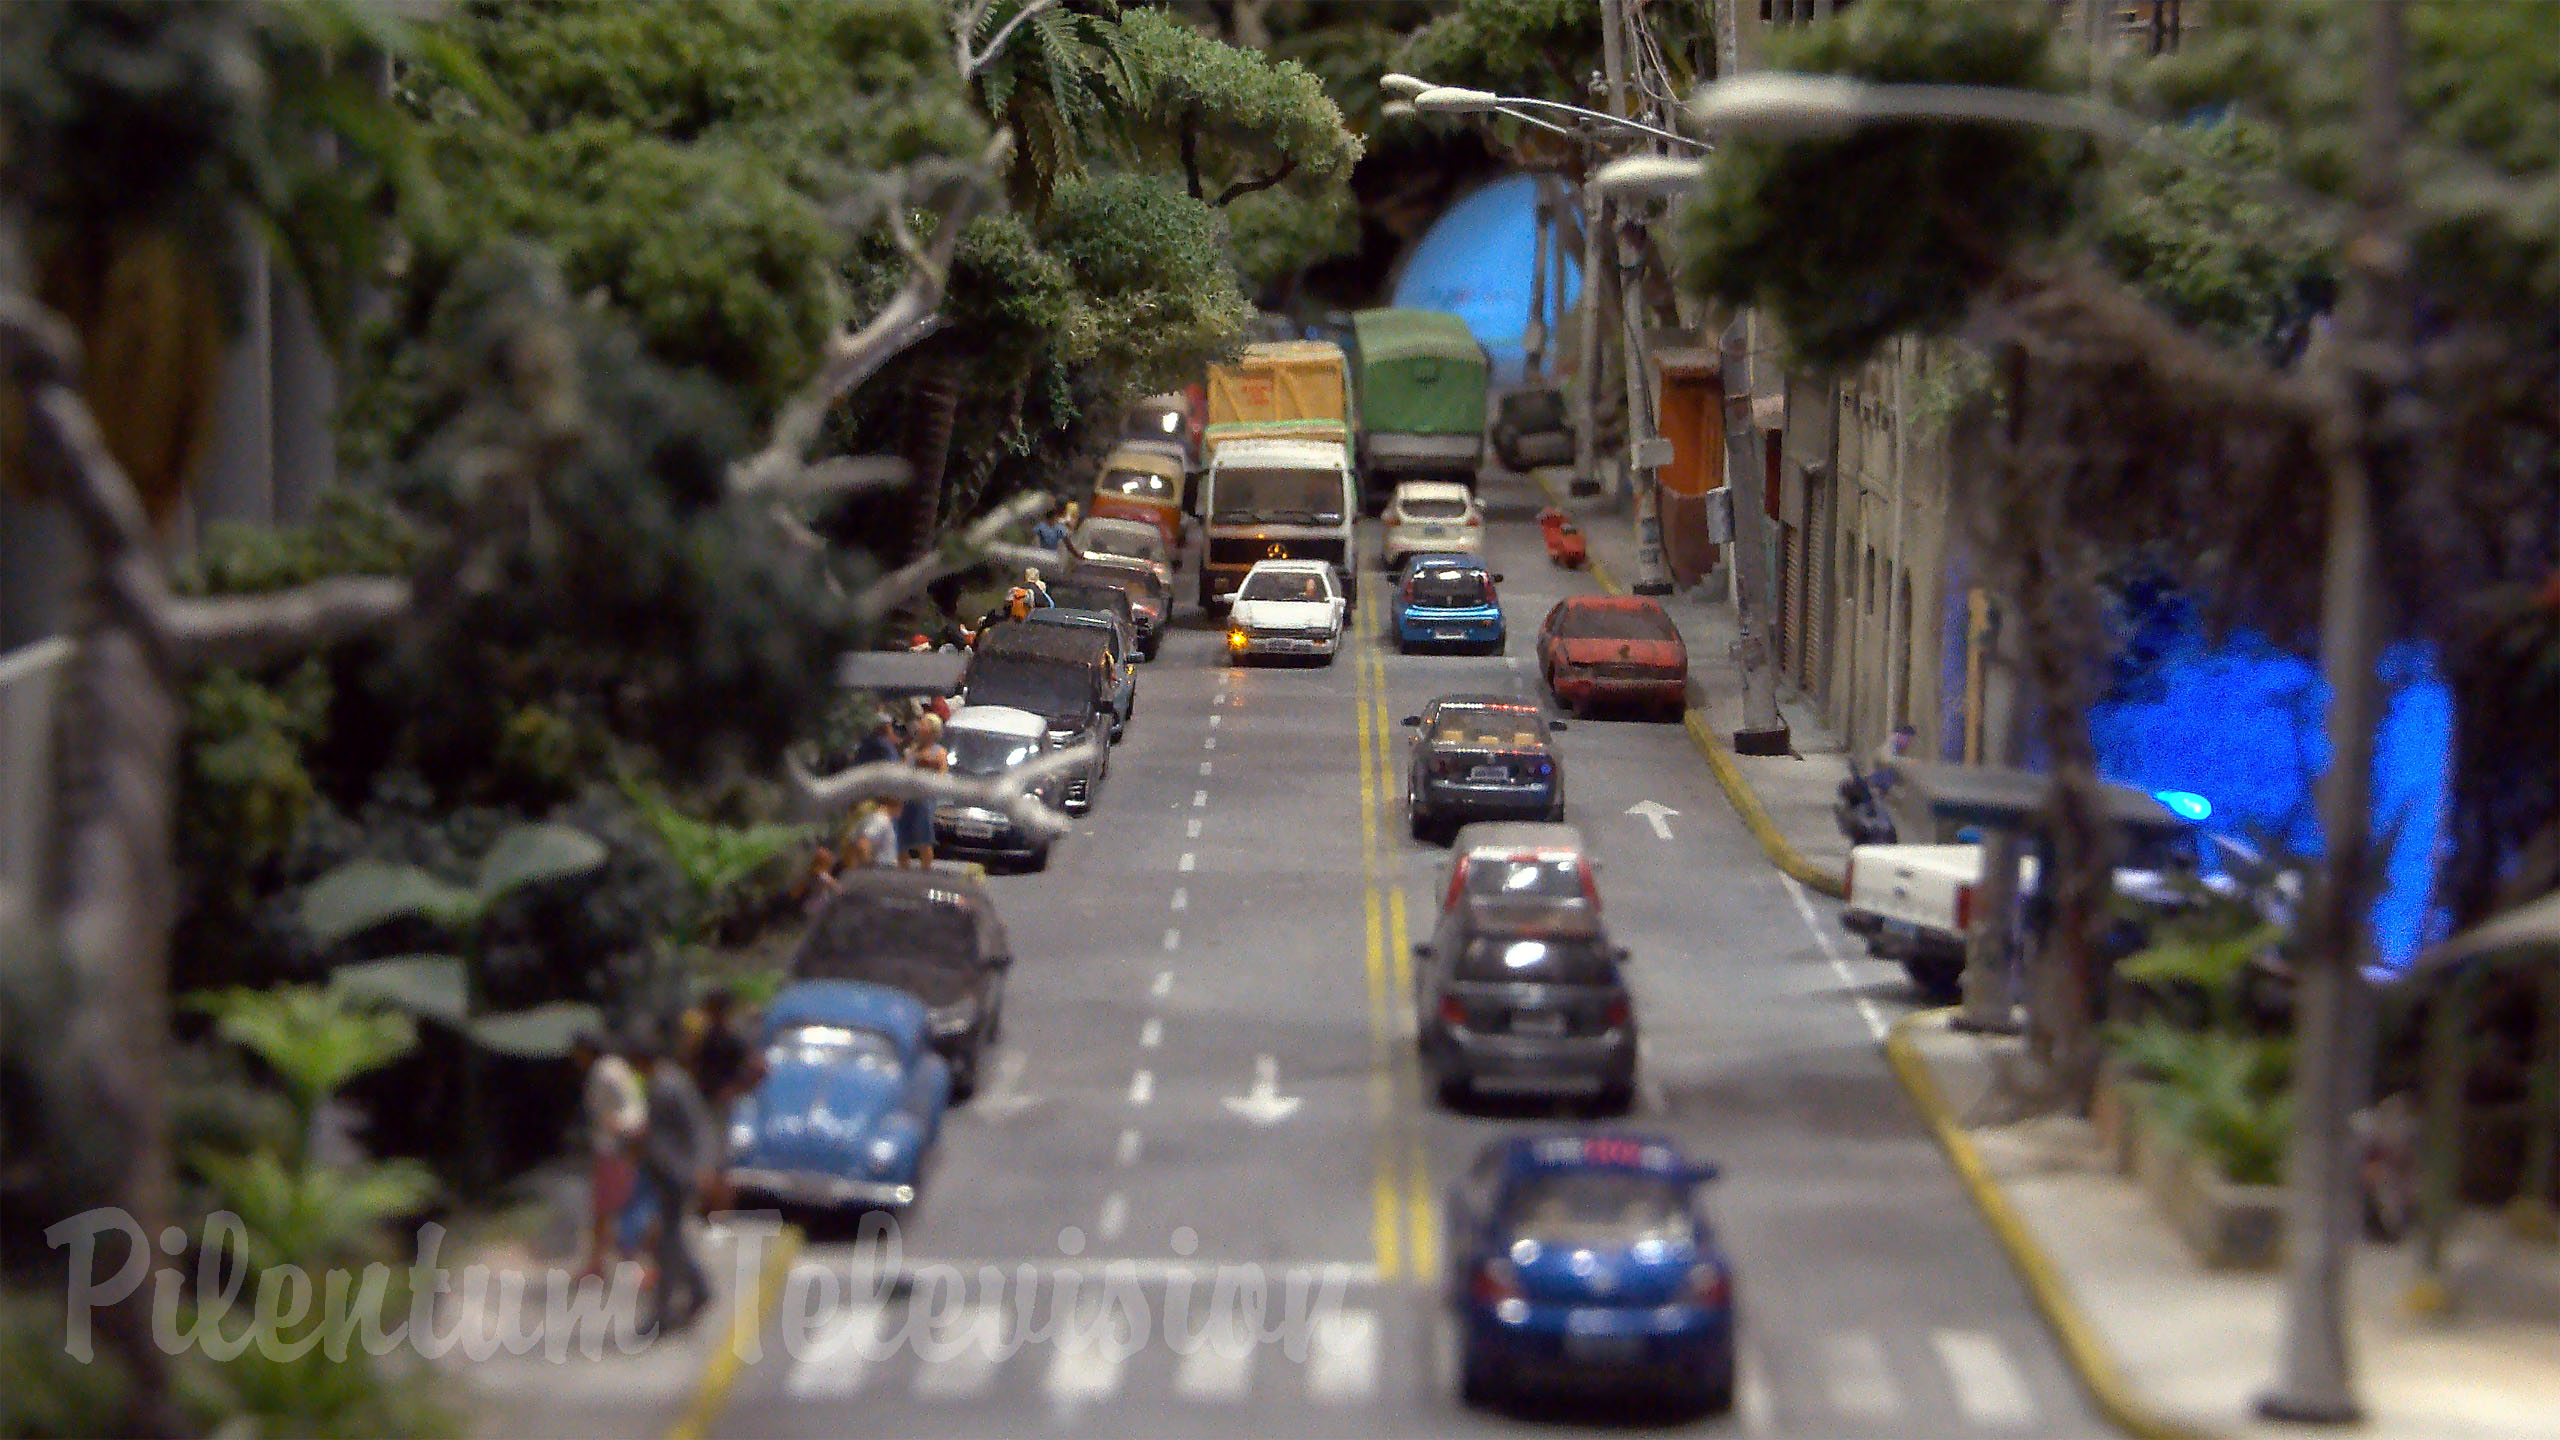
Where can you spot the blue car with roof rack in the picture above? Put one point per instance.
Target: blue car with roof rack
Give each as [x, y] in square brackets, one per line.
[1582, 1261]
[1448, 599]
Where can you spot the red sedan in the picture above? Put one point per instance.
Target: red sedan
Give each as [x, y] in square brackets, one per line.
[1606, 651]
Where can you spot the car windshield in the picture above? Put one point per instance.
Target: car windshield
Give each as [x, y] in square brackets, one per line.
[858, 935]
[1247, 494]
[1488, 727]
[1615, 622]
[1143, 484]
[1052, 688]
[1099, 624]
[1072, 595]
[1153, 422]
[1283, 585]
[834, 1046]
[1525, 877]
[1450, 587]
[981, 752]
[1136, 544]
[1602, 1210]
[1433, 508]
[1536, 960]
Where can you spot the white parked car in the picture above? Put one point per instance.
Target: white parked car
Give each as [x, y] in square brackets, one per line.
[1287, 607]
[1429, 516]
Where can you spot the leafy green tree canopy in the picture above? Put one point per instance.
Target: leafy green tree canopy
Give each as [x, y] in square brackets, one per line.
[1234, 121]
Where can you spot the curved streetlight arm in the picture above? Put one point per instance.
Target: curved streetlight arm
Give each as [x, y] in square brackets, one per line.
[1454, 100]
[1780, 106]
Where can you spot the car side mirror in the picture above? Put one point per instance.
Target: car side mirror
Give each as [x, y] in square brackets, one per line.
[1422, 949]
[1496, 579]
[1558, 726]
[1413, 721]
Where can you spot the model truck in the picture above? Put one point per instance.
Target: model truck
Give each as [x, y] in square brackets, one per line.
[1421, 379]
[1270, 499]
[1284, 390]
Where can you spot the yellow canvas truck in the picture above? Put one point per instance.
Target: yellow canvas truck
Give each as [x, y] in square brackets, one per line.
[1285, 390]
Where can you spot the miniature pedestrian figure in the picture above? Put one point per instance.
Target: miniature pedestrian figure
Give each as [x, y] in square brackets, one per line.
[1887, 772]
[877, 834]
[881, 745]
[915, 821]
[1051, 532]
[726, 1070]
[1038, 587]
[617, 1112]
[819, 885]
[676, 1158]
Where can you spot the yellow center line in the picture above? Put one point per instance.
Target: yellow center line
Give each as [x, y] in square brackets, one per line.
[1420, 1205]
[1386, 1220]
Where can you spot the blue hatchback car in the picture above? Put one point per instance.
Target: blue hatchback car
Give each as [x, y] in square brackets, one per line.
[1448, 600]
[851, 1101]
[1586, 1261]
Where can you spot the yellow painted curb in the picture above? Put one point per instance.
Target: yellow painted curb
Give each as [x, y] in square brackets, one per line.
[2071, 1330]
[1737, 788]
[747, 1317]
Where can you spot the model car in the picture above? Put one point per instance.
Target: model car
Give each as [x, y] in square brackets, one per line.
[1126, 540]
[1525, 996]
[931, 933]
[1607, 651]
[1287, 607]
[1448, 601]
[1587, 1262]
[850, 1104]
[1440, 516]
[1527, 860]
[1481, 757]
[1123, 648]
[986, 741]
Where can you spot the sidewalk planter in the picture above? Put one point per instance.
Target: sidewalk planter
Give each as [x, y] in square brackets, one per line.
[2228, 1226]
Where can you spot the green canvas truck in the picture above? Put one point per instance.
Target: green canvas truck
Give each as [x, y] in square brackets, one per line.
[1421, 378]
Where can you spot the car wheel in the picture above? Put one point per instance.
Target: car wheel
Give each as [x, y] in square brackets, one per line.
[1940, 980]
[1480, 1382]
[1039, 859]
[964, 1073]
[1455, 1091]
[1422, 824]
[1616, 1098]
[1708, 1396]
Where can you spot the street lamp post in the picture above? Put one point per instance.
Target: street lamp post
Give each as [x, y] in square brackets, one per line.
[2315, 1375]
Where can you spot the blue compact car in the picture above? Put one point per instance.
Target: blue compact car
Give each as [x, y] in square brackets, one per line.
[1448, 600]
[851, 1102]
[1585, 1261]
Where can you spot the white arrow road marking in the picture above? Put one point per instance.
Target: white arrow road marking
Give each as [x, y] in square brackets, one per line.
[1988, 1388]
[839, 1357]
[1266, 1105]
[1001, 1100]
[1857, 1378]
[1343, 1364]
[1656, 814]
[961, 1360]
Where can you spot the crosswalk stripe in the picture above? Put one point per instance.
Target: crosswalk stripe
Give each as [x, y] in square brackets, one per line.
[1751, 1394]
[960, 1360]
[1088, 1365]
[1342, 1365]
[839, 1357]
[1856, 1377]
[1219, 1366]
[1988, 1388]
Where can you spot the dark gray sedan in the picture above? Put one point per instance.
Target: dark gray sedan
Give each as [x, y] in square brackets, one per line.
[1525, 997]
[1481, 757]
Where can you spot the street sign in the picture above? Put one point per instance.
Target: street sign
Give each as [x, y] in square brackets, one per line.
[1649, 452]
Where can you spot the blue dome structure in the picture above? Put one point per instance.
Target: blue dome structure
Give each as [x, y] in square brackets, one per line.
[1474, 263]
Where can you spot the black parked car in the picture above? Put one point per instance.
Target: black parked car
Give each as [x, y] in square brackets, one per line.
[1062, 677]
[1481, 757]
[1527, 997]
[1093, 592]
[1149, 600]
[933, 934]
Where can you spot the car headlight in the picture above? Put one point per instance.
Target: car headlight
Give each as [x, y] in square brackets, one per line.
[882, 1153]
[1236, 638]
[742, 1135]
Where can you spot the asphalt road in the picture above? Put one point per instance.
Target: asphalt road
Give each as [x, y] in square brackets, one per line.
[1206, 1073]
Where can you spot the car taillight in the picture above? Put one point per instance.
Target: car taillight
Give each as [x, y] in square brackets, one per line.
[1452, 1011]
[1495, 1282]
[1849, 876]
[1457, 883]
[1964, 909]
[1620, 1011]
[1709, 1284]
[1590, 886]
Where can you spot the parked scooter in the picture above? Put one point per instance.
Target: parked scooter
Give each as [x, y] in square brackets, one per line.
[1860, 812]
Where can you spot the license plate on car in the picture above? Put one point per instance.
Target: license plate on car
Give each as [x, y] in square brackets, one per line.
[1448, 634]
[1536, 1022]
[976, 829]
[1606, 1349]
[1901, 930]
[1490, 774]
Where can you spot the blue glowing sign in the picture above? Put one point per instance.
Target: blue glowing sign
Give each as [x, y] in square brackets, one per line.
[2185, 804]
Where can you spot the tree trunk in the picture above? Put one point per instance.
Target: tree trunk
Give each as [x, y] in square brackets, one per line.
[933, 402]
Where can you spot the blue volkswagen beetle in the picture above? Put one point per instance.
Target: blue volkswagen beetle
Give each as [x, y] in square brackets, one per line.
[1586, 1261]
[851, 1101]
[1448, 600]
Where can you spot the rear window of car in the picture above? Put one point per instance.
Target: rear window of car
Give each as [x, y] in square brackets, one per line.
[1524, 877]
[1529, 959]
[1601, 1210]
[1433, 509]
[1134, 544]
[1488, 727]
[1139, 483]
[1449, 587]
[1610, 622]
[1283, 585]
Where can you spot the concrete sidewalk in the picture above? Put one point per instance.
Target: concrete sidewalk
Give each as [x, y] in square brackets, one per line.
[2171, 1348]
[533, 1361]
[1792, 794]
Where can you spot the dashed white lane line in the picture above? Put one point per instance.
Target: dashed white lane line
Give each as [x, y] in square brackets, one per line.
[1199, 799]
[1164, 983]
[839, 1357]
[1751, 1395]
[1130, 1144]
[1988, 1388]
[1172, 940]
[1181, 896]
[1218, 699]
[1216, 720]
[1191, 831]
[1115, 1216]
[1649, 1080]
[1209, 742]
[1220, 1365]
[1188, 859]
[1204, 767]
[1142, 1087]
[1867, 1010]
[1151, 1034]
[960, 1361]
[1856, 1377]
[1342, 1365]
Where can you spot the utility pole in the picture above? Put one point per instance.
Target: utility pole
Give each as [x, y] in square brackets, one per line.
[1646, 451]
[1533, 340]
[2371, 364]
[1599, 283]
[1764, 730]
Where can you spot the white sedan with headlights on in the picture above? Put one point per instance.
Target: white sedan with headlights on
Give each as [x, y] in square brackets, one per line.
[1287, 607]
